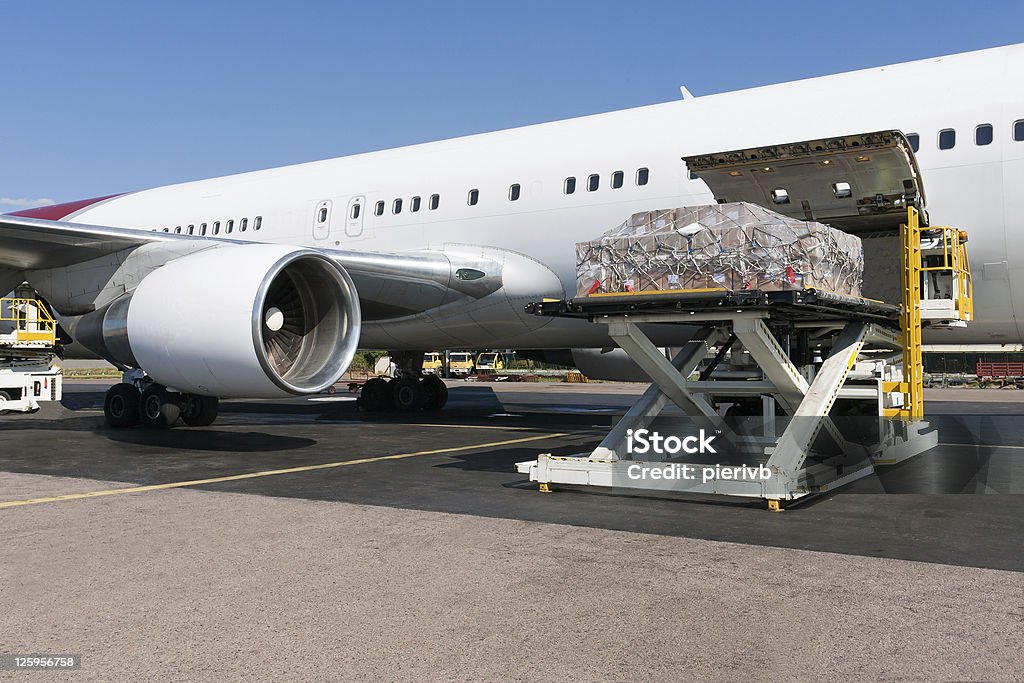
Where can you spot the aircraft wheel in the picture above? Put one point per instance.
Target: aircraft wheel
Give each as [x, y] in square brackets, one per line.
[121, 405]
[409, 394]
[159, 408]
[437, 392]
[375, 396]
[199, 411]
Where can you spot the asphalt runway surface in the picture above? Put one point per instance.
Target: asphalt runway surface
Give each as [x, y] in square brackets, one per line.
[304, 540]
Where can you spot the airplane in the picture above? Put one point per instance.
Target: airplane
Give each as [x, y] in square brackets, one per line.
[263, 284]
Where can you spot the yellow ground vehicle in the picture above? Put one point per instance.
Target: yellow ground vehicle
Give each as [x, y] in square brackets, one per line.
[491, 361]
[461, 363]
[29, 371]
[433, 362]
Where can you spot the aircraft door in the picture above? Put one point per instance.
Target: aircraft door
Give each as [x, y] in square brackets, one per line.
[322, 220]
[354, 217]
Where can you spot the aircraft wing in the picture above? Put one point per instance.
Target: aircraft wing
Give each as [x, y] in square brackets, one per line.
[390, 285]
[33, 243]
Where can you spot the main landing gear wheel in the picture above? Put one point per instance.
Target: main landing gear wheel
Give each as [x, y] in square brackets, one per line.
[409, 394]
[375, 396]
[199, 411]
[437, 392]
[160, 408]
[405, 394]
[121, 406]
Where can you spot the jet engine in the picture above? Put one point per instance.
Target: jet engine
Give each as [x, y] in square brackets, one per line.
[256, 321]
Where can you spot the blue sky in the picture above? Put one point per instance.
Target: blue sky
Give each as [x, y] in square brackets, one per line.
[102, 97]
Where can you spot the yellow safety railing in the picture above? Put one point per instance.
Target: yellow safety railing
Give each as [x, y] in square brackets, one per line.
[955, 264]
[912, 386]
[32, 321]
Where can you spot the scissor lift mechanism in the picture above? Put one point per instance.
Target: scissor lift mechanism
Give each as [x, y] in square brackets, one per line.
[868, 337]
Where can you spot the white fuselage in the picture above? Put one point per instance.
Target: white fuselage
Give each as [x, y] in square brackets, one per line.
[977, 187]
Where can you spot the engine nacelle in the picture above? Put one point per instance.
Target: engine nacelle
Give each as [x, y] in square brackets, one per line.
[255, 321]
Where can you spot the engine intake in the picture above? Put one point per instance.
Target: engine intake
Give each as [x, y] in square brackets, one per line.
[257, 321]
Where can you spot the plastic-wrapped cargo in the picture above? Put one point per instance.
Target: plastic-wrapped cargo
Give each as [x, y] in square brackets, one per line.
[722, 246]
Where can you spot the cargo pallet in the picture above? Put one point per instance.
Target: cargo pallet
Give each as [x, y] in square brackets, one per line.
[874, 355]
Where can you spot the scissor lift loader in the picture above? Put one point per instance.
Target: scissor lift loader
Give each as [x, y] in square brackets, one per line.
[871, 349]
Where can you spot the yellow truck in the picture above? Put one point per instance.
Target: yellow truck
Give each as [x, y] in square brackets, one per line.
[433, 362]
[461, 363]
[490, 361]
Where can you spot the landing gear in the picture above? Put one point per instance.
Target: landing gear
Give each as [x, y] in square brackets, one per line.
[375, 396]
[121, 406]
[160, 407]
[437, 392]
[409, 392]
[155, 406]
[199, 411]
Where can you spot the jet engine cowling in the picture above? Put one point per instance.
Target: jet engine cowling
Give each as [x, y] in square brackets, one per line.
[255, 321]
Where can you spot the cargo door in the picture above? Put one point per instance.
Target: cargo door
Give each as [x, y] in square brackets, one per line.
[861, 183]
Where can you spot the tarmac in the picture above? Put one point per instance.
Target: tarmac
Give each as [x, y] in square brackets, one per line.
[303, 540]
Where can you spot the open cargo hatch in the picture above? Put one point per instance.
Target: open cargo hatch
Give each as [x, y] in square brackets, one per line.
[861, 183]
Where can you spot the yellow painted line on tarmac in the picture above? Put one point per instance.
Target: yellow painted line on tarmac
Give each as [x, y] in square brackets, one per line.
[979, 445]
[507, 429]
[272, 473]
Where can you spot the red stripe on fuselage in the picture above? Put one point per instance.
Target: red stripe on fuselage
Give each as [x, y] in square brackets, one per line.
[56, 212]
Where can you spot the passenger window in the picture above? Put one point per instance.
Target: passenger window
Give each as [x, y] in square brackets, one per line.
[216, 227]
[355, 211]
[435, 201]
[473, 198]
[258, 223]
[983, 134]
[396, 208]
[167, 229]
[243, 225]
[593, 182]
[617, 179]
[191, 229]
[202, 229]
[570, 185]
[1018, 130]
[415, 204]
[915, 141]
[513, 193]
[947, 138]
[642, 176]
[323, 215]
[230, 226]
[177, 229]
[379, 210]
